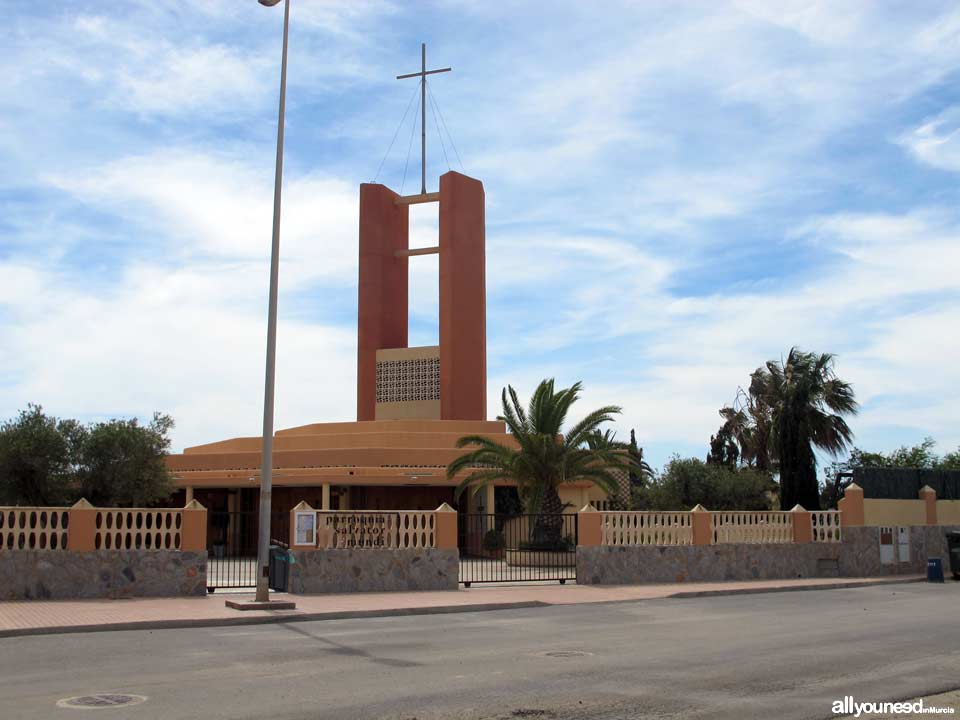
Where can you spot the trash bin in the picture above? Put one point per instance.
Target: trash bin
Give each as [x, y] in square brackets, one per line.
[278, 568]
[934, 569]
[953, 549]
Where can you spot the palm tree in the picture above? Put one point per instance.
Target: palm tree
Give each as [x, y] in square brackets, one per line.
[807, 401]
[605, 439]
[545, 458]
[640, 471]
[749, 422]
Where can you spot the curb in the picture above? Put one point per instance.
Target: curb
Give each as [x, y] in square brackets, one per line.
[281, 616]
[796, 588]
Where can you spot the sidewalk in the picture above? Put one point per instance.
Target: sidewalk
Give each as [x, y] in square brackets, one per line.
[63, 616]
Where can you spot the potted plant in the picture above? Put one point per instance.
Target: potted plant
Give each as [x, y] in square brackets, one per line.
[493, 543]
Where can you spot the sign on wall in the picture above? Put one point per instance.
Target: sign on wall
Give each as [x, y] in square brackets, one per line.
[359, 530]
[305, 524]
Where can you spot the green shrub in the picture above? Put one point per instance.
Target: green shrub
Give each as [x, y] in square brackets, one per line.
[564, 544]
[493, 540]
[690, 481]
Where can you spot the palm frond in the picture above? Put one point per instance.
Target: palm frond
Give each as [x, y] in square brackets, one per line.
[513, 415]
[577, 434]
[839, 397]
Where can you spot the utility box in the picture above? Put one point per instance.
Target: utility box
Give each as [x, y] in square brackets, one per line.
[903, 544]
[934, 570]
[279, 566]
[887, 550]
[894, 545]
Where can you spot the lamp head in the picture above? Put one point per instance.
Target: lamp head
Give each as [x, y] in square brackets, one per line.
[269, 3]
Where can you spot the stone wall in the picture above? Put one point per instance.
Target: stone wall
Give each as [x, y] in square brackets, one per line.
[372, 570]
[61, 575]
[861, 551]
[857, 556]
[638, 564]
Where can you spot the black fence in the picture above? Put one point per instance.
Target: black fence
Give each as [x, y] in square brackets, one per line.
[517, 548]
[232, 546]
[905, 483]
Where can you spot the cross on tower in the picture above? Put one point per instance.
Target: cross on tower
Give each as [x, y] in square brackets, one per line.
[423, 111]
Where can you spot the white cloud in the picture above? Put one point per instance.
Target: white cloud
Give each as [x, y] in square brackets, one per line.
[185, 341]
[346, 17]
[204, 205]
[181, 81]
[884, 305]
[186, 334]
[936, 141]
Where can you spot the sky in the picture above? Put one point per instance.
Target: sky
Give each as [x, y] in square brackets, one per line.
[676, 193]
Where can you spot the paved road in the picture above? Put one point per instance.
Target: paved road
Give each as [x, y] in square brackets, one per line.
[784, 655]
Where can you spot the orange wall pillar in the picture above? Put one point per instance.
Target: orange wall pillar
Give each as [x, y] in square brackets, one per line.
[851, 507]
[382, 299]
[802, 525]
[463, 299]
[445, 528]
[82, 527]
[700, 519]
[193, 528]
[929, 496]
[589, 527]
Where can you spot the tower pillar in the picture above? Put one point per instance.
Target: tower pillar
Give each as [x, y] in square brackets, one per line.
[463, 319]
[383, 287]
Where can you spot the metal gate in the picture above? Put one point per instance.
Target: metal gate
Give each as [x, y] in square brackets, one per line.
[517, 548]
[232, 547]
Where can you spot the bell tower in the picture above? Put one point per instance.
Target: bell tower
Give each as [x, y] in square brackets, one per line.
[443, 382]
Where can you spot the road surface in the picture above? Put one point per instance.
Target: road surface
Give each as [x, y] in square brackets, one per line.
[783, 655]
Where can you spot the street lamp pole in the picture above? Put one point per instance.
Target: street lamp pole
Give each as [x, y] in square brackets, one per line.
[266, 465]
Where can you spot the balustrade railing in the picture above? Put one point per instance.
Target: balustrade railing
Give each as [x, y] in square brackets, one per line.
[702, 527]
[138, 529]
[646, 528]
[752, 527]
[84, 528]
[826, 526]
[34, 528]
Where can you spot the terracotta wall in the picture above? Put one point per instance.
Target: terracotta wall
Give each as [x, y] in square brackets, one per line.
[382, 303]
[463, 300]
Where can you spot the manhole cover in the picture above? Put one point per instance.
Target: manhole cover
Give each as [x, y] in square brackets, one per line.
[566, 653]
[100, 701]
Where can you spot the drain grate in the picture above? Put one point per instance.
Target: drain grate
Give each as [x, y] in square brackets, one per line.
[566, 653]
[100, 701]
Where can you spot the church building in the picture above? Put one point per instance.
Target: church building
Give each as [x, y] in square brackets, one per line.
[413, 403]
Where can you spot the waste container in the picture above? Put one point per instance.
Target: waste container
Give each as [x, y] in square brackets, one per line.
[278, 568]
[934, 569]
[953, 549]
